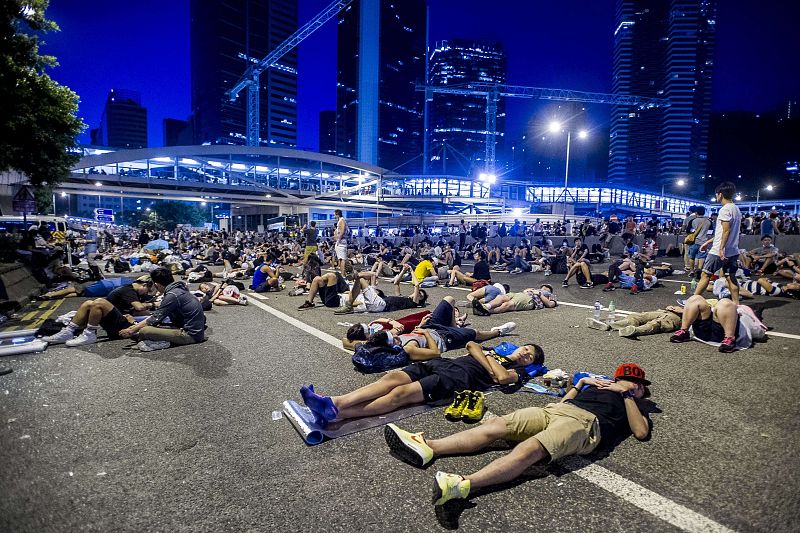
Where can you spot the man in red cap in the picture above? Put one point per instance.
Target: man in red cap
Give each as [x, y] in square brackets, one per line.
[594, 410]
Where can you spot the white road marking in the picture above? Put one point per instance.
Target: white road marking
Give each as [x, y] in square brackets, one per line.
[321, 335]
[627, 490]
[645, 499]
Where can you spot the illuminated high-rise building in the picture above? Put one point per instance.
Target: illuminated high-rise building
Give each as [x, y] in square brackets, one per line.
[124, 121]
[381, 56]
[458, 122]
[663, 50]
[224, 34]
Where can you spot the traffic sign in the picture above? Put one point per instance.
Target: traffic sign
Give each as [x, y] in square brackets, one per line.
[108, 219]
[106, 212]
[24, 201]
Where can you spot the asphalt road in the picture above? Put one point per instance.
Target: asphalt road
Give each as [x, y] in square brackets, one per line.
[106, 439]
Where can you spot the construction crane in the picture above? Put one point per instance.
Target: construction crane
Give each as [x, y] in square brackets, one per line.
[493, 91]
[250, 78]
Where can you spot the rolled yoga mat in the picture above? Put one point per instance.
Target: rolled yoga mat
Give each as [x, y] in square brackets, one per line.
[21, 345]
[303, 421]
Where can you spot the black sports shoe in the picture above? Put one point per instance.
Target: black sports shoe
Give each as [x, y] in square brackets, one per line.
[306, 305]
[479, 309]
[565, 283]
[587, 286]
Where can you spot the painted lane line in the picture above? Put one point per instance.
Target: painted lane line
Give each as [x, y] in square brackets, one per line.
[629, 491]
[321, 335]
[258, 296]
[645, 499]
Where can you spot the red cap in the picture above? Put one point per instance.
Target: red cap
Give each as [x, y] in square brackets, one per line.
[631, 372]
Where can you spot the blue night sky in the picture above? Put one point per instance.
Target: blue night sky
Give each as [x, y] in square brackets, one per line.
[144, 46]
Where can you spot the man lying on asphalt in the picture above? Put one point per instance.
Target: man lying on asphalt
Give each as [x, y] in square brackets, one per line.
[595, 410]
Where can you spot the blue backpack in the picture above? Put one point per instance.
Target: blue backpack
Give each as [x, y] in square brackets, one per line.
[370, 359]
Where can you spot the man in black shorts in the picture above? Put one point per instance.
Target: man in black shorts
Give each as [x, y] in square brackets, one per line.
[111, 312]
[432, 381]
[450, 336]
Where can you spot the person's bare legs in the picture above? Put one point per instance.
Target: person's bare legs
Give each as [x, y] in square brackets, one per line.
[702, 284]
[733, 286]
[696, 306]
[727, 316]
[377, 398]
[480, 294]
[481, 336]
[81, 317]
[320, 281]
[572, 270]
[97, 310]
[506, 468]
[453, 273]
[586, 272]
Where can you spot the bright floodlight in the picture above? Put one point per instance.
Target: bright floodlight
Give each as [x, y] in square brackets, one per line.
[98, 184]
[517, 211]
[63, 195]
[147, 209]
[554, 127]
[738, 197]
[681, 182]
[203, 204]
[269, 196]
[491, 179]
[583, 134]
[482, 176]
[770, 187]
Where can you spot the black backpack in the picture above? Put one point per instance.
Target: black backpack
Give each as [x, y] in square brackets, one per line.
[559, 265]
[370, 359]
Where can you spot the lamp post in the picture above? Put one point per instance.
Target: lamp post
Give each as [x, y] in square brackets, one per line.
[769, 188]
[556, 127]
[680, 182]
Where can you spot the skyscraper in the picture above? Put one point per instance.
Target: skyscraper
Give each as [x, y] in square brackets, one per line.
[458, 123]
[381, 55]
[124, 121]
[327, 132]
[223, 34]
[663, 50]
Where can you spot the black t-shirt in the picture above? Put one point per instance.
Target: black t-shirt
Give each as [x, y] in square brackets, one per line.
[123, 297]
[614, 227]
[397, 303]
[580, 251]
[456, 258]
[463, 373]
[609, 408]
[481, 271]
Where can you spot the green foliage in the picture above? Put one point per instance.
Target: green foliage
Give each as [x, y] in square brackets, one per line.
[37, 115]
[167, 215]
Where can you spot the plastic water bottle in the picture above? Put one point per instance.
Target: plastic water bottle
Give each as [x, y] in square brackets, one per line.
[612, 312]
[597, 308]
[694, 284]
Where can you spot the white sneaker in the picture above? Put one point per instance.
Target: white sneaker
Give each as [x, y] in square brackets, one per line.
[593, 323]
[506, 328]
[516, 271]
[61, 337]
[151, 346]
[87, 337]
[243, 300]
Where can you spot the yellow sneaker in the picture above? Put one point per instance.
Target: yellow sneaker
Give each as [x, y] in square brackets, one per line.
[447, 487]
[410, 447]
[454, 410]
[475, 407]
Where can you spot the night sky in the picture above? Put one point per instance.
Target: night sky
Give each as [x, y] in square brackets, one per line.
[144, 46]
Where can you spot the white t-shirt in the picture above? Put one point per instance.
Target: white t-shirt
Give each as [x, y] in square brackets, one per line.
[730, 213]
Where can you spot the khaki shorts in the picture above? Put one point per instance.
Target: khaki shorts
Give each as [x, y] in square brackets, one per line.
[561, 428]
[522, 301]
[308, 251]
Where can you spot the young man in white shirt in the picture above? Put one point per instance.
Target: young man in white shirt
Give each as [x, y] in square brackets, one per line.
[724, 252]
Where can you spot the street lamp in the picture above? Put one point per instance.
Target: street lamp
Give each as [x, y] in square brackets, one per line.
[680, 182]
[556, 127]
[768, 188]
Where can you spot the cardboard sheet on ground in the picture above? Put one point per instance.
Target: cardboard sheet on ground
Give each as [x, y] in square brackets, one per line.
[301, 418]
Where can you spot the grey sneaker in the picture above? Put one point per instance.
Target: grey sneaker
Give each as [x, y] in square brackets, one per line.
[346, 309]
[151, 346]
[593, 323]
[61, 337]
[87, 337]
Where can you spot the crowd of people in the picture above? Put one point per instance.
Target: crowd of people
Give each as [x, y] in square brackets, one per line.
[147, 302]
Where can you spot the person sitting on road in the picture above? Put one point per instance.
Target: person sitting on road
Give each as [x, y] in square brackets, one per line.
[576, 260]
[479, 272]
[433, 381]
[112, 313]
[187, 320]
[761, 260]
[528, 300]
[646, 323]
[595, 412]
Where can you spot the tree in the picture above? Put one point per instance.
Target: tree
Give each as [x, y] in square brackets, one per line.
[37, 115]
